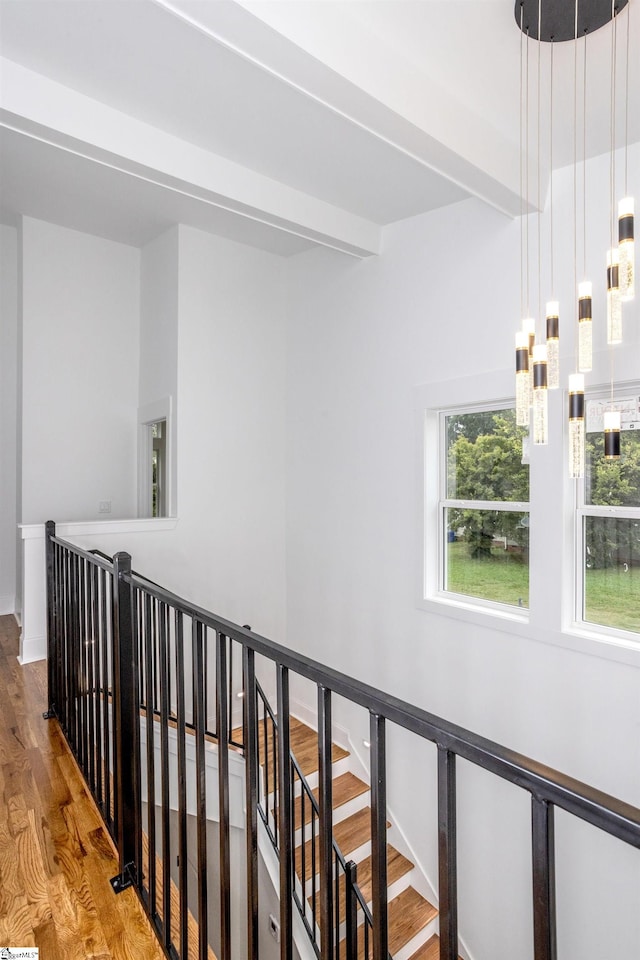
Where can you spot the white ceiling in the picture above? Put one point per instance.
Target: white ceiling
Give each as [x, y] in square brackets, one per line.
[333, 118]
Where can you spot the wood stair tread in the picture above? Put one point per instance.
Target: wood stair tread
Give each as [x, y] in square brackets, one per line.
[397, 867]
[429, 950]
[304, 744]
[349, 834]
[408, 914]
[344, 788]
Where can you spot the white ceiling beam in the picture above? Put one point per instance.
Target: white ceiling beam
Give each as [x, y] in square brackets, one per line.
[321, 51]
[43, 108]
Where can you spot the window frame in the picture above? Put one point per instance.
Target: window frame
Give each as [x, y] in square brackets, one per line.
[550, 618]
[149, 414]
[445, 503]
[582, 511]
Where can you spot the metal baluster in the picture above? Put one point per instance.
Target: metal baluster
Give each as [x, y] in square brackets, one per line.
[106, 722]
[149, 645]
[351, 902]
[250, 740]
[125, 711]
[182, 788]
[199, 686]
[379, 836]
[91, 568]
[52, 633]
[222, 723]
[447, 858]
[544, 880]
[284, 815]
[164, 681]
[325, 784]
[97, 683]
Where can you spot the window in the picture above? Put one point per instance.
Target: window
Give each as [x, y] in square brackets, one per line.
[156, 459]
[158, 432]
[484, 506]
[608, 524]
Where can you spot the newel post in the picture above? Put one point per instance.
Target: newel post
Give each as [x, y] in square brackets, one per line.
[125, 724]
[52, 636]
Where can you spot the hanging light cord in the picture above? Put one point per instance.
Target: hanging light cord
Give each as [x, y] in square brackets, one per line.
[584, 160]
[626, 107]
[575, 157]
[551, 165]
[540, 314]
[612, 165]
[527, 167]
[522, 304]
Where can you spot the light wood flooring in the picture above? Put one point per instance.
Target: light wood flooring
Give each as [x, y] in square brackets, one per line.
[56, 857]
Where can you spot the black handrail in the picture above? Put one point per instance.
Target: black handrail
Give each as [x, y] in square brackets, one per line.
[146, 619]
[614, 816]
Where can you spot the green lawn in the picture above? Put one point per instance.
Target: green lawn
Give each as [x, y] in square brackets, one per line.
[504, 578]
[612, 596]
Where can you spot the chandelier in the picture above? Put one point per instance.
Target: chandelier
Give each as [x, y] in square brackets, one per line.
[546, 23]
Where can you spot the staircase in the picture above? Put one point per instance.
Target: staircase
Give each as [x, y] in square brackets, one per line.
[412, 919]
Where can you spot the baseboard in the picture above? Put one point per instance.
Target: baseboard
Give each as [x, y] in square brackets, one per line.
[32, 649]
[7, 605]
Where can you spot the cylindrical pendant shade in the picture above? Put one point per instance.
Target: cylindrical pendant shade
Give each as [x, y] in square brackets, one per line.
[576, 425]
[626, 249]
[614, 304]
[540, 396]
[553, 344]
[612, 434]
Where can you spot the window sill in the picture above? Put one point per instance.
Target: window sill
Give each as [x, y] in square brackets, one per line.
[619, 647]
[499, 617]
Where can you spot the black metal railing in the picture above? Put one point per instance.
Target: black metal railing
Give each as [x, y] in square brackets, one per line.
[139, 680]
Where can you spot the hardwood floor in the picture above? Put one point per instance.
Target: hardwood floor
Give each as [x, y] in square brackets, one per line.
[56, 857]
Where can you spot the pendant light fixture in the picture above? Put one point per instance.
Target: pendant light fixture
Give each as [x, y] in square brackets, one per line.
[626, 249]
[537, 365]
[585, 324]
[540, 396]
[612, 434]
[523, 380]
[576, 425]
[553, 307]
[553, 344]
[626, 244]
[614, 303]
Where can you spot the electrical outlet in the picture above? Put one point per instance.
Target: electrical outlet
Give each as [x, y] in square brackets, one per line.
[274, 928]
[104, 506]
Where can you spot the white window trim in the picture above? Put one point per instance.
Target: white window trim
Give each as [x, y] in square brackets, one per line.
[162, 409]
[433, 401]
[550, 619]
[581, 510]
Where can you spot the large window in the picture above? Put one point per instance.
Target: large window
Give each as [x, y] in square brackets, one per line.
[609, 522]
[484, 506]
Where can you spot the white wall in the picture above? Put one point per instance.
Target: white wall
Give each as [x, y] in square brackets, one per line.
[157, 388]
[8, 414]
[159, 318]
[80, 328]
[231, 422]
[226, 551]
[443, 302]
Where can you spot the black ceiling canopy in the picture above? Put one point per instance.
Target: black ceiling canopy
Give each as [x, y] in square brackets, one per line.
[558, 17]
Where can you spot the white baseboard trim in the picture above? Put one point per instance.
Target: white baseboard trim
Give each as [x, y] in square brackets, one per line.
[32, 649]
[7, 605]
